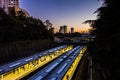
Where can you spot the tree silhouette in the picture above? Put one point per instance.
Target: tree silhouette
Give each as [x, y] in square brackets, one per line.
[17, 27]
[48, 24]
[107, 43]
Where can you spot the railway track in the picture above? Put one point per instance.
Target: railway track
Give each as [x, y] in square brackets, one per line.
[61, 68]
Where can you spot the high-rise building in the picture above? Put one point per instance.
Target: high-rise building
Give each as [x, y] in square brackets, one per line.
[3, 5]
[72, 30]
[13, 3]
[2, 2]
[8, 5]
[63, 29]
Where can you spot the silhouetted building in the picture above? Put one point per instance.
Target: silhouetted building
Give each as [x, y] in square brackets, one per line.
[72, 30]
[63, 29]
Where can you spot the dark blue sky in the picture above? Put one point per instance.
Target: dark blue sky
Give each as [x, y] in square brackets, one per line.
[62, 12]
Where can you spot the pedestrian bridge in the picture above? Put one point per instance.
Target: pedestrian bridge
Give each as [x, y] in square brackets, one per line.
[83, 39]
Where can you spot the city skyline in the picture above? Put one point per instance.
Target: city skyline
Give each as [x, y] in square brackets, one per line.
[63, 12]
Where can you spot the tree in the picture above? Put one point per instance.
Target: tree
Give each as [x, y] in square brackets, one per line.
[107, 33]
[16, 27]
[48, 24]
[7, 27]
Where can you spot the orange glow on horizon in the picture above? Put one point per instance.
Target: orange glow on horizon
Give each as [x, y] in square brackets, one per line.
[82, 28]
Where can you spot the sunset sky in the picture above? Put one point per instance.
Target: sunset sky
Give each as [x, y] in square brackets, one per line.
[63, 12]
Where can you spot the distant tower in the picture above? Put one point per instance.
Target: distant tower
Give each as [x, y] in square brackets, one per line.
[72, 30]
[65, 29]
[61, 29]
